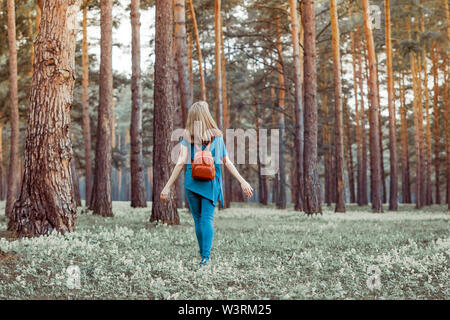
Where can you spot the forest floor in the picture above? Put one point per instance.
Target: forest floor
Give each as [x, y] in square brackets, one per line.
[258, 253]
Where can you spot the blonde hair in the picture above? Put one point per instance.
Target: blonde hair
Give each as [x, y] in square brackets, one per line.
[200, 125]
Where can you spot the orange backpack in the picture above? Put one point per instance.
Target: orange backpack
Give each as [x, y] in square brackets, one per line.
[203, 165]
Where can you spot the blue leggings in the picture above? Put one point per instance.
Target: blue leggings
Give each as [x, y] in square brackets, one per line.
[202, 210]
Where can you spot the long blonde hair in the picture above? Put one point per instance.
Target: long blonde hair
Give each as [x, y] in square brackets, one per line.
[200, 125]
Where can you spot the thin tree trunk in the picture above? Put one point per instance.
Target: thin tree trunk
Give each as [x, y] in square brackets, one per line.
[101, 202]
[374, 125]
[298, 110]
[358, 128]
[46, 200]
[446, 119]
[393, 186]
[14, 112]
[406, 184]
[76, 186]
[362, 133]
[326, 137]
[312, 185]
[218, 65]
[164, 212]
[274, 125]
[191, 74]
[85, 108]
[199, 51]
[418, 136]
[436, 123]
[181, 58]
[349, 158]
[428, 188]
[281, 204]
[339, 122]
[136, 159]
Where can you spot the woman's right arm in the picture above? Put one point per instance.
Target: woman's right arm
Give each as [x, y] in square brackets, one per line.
[164, 196]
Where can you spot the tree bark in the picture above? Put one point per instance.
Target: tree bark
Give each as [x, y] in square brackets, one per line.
[428, 188]
[406, 184]
[374, 124]
[101, 202]
[46, 200]
[446, 119]
[436, 124]
[136, 160]
[281, 204]
[393, 186]
[218, 64]
[85, 109]
[312, 186]
[199, 51]
[362, 133]
[339, 122]
[181, 58]
[349, 160]
[298, 110]
[164, 212]
[358, 128]
[419, 133]
[14, 112]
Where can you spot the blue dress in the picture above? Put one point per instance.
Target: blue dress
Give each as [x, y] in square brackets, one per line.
[211, 190]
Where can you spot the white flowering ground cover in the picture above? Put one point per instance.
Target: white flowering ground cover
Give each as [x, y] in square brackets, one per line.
[258, 253]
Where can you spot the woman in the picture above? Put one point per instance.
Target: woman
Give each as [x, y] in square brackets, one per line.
[202, 196]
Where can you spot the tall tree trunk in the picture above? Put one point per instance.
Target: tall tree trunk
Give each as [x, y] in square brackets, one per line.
[393, 186]
[358, 128]
[374, 124]
[339, 122]
[218, 64]
[46, 200]
[312, 185]
[326, 137]
[436, 123]
[265, 189]
[428, 188]
[418, 136]
[274, 125]
[181, 58]
[446, 119]
[349, 159]
[136, 159]
[85, 108]
[362, 133]
[406, 184]
[298, 110]
[189, 57]
[281, 204]
[164, 212]
[101, 202]
[226, 176]
[14, 112]
[199, 51]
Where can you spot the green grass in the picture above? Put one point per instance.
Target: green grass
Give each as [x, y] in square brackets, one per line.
[258, 253]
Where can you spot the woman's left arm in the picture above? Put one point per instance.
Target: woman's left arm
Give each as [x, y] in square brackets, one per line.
[246, 187]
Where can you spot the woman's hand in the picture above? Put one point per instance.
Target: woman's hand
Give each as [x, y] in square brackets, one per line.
[247, 189]
[164, 196]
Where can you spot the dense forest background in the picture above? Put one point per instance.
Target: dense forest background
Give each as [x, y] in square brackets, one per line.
[259, 80]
